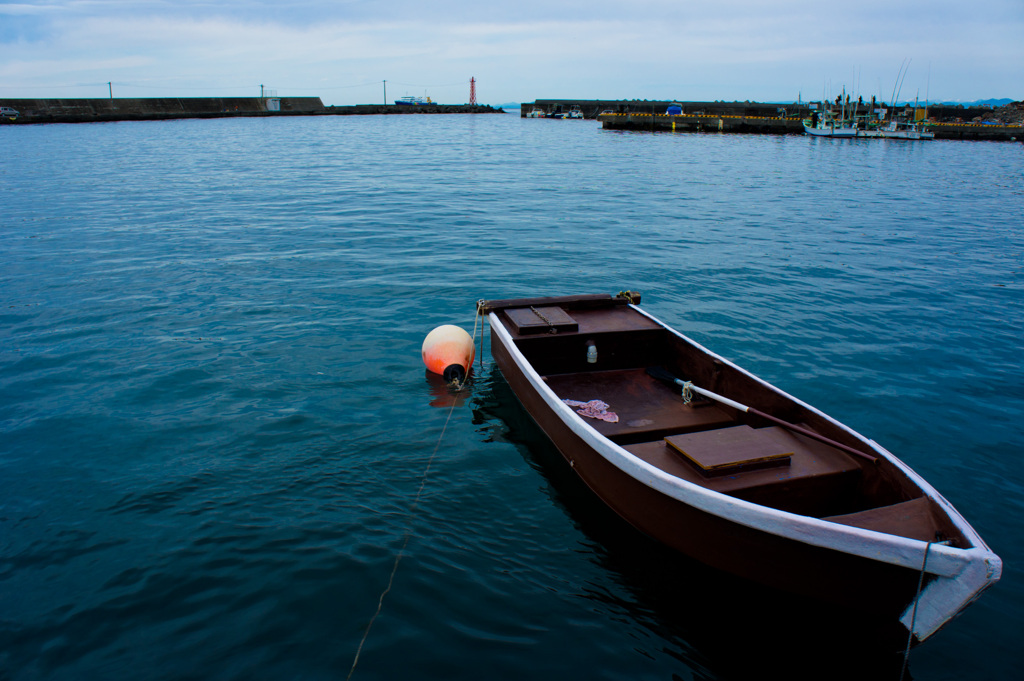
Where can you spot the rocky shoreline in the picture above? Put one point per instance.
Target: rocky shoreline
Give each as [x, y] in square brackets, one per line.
[1010, 114]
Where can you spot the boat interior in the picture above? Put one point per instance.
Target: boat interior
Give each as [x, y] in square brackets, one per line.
[706, 442]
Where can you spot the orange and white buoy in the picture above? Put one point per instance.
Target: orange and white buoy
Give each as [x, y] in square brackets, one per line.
[448, 350]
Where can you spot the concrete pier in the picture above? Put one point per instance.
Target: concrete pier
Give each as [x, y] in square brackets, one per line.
[158, 108]
[169, 108]
[592, 108]
[977, 131]
[788, 126]
[761, 118]
[701, 123]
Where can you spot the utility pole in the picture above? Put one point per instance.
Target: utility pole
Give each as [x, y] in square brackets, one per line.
[385, 93]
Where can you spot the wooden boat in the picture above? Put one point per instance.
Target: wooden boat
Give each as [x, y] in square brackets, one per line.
[747, 479]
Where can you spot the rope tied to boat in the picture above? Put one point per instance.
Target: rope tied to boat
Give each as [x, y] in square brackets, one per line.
[482, 317]
[917, 597]
[687, 392]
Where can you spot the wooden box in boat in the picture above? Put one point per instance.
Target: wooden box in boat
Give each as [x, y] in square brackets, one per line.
[846, 522]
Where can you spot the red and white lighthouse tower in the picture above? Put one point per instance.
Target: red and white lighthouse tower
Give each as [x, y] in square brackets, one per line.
[472, 91]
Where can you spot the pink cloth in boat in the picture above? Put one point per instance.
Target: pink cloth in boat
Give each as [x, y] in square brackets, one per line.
[595, 409]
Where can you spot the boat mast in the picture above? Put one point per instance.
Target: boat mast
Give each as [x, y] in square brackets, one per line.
[895, 84]
[901, 88]
[927, 89]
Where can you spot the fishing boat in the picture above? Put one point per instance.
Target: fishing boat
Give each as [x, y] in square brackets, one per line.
[575, 113]
[828, 125]
[903, 130]
[722, 466]
[536, 113]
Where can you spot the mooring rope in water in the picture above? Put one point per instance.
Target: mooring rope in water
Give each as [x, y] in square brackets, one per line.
[913, 614]
[480, 316]
[405, 542]
[423, 481]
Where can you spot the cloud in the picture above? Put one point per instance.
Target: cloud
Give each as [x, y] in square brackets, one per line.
[650, 49]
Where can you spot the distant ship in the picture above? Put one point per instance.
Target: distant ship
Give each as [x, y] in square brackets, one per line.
[413, 101]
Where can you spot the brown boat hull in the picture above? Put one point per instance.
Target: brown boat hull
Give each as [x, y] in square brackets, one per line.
[850, 581]
[776, 492]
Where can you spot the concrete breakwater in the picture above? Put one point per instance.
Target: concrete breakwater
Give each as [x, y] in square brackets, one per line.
[166, 108]
[947, 122]
[592, 108]
[387, 109]
[786, 126]
[701, 123]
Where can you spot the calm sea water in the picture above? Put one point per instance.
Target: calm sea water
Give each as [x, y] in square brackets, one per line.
[216, 434]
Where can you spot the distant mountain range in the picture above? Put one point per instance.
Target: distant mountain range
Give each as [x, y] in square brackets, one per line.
[994, 103]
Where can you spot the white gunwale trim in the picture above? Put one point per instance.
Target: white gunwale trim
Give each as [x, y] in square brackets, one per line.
[961, 523]
[961, 565]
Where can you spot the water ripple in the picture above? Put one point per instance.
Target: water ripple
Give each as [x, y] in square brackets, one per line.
[217, 434]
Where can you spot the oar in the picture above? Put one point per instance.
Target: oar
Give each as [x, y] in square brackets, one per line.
[663, 375]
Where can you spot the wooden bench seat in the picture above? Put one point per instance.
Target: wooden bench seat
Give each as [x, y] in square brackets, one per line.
[556, 341]
[818, 479]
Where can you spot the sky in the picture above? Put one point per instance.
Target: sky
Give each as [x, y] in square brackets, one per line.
[343, 51]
